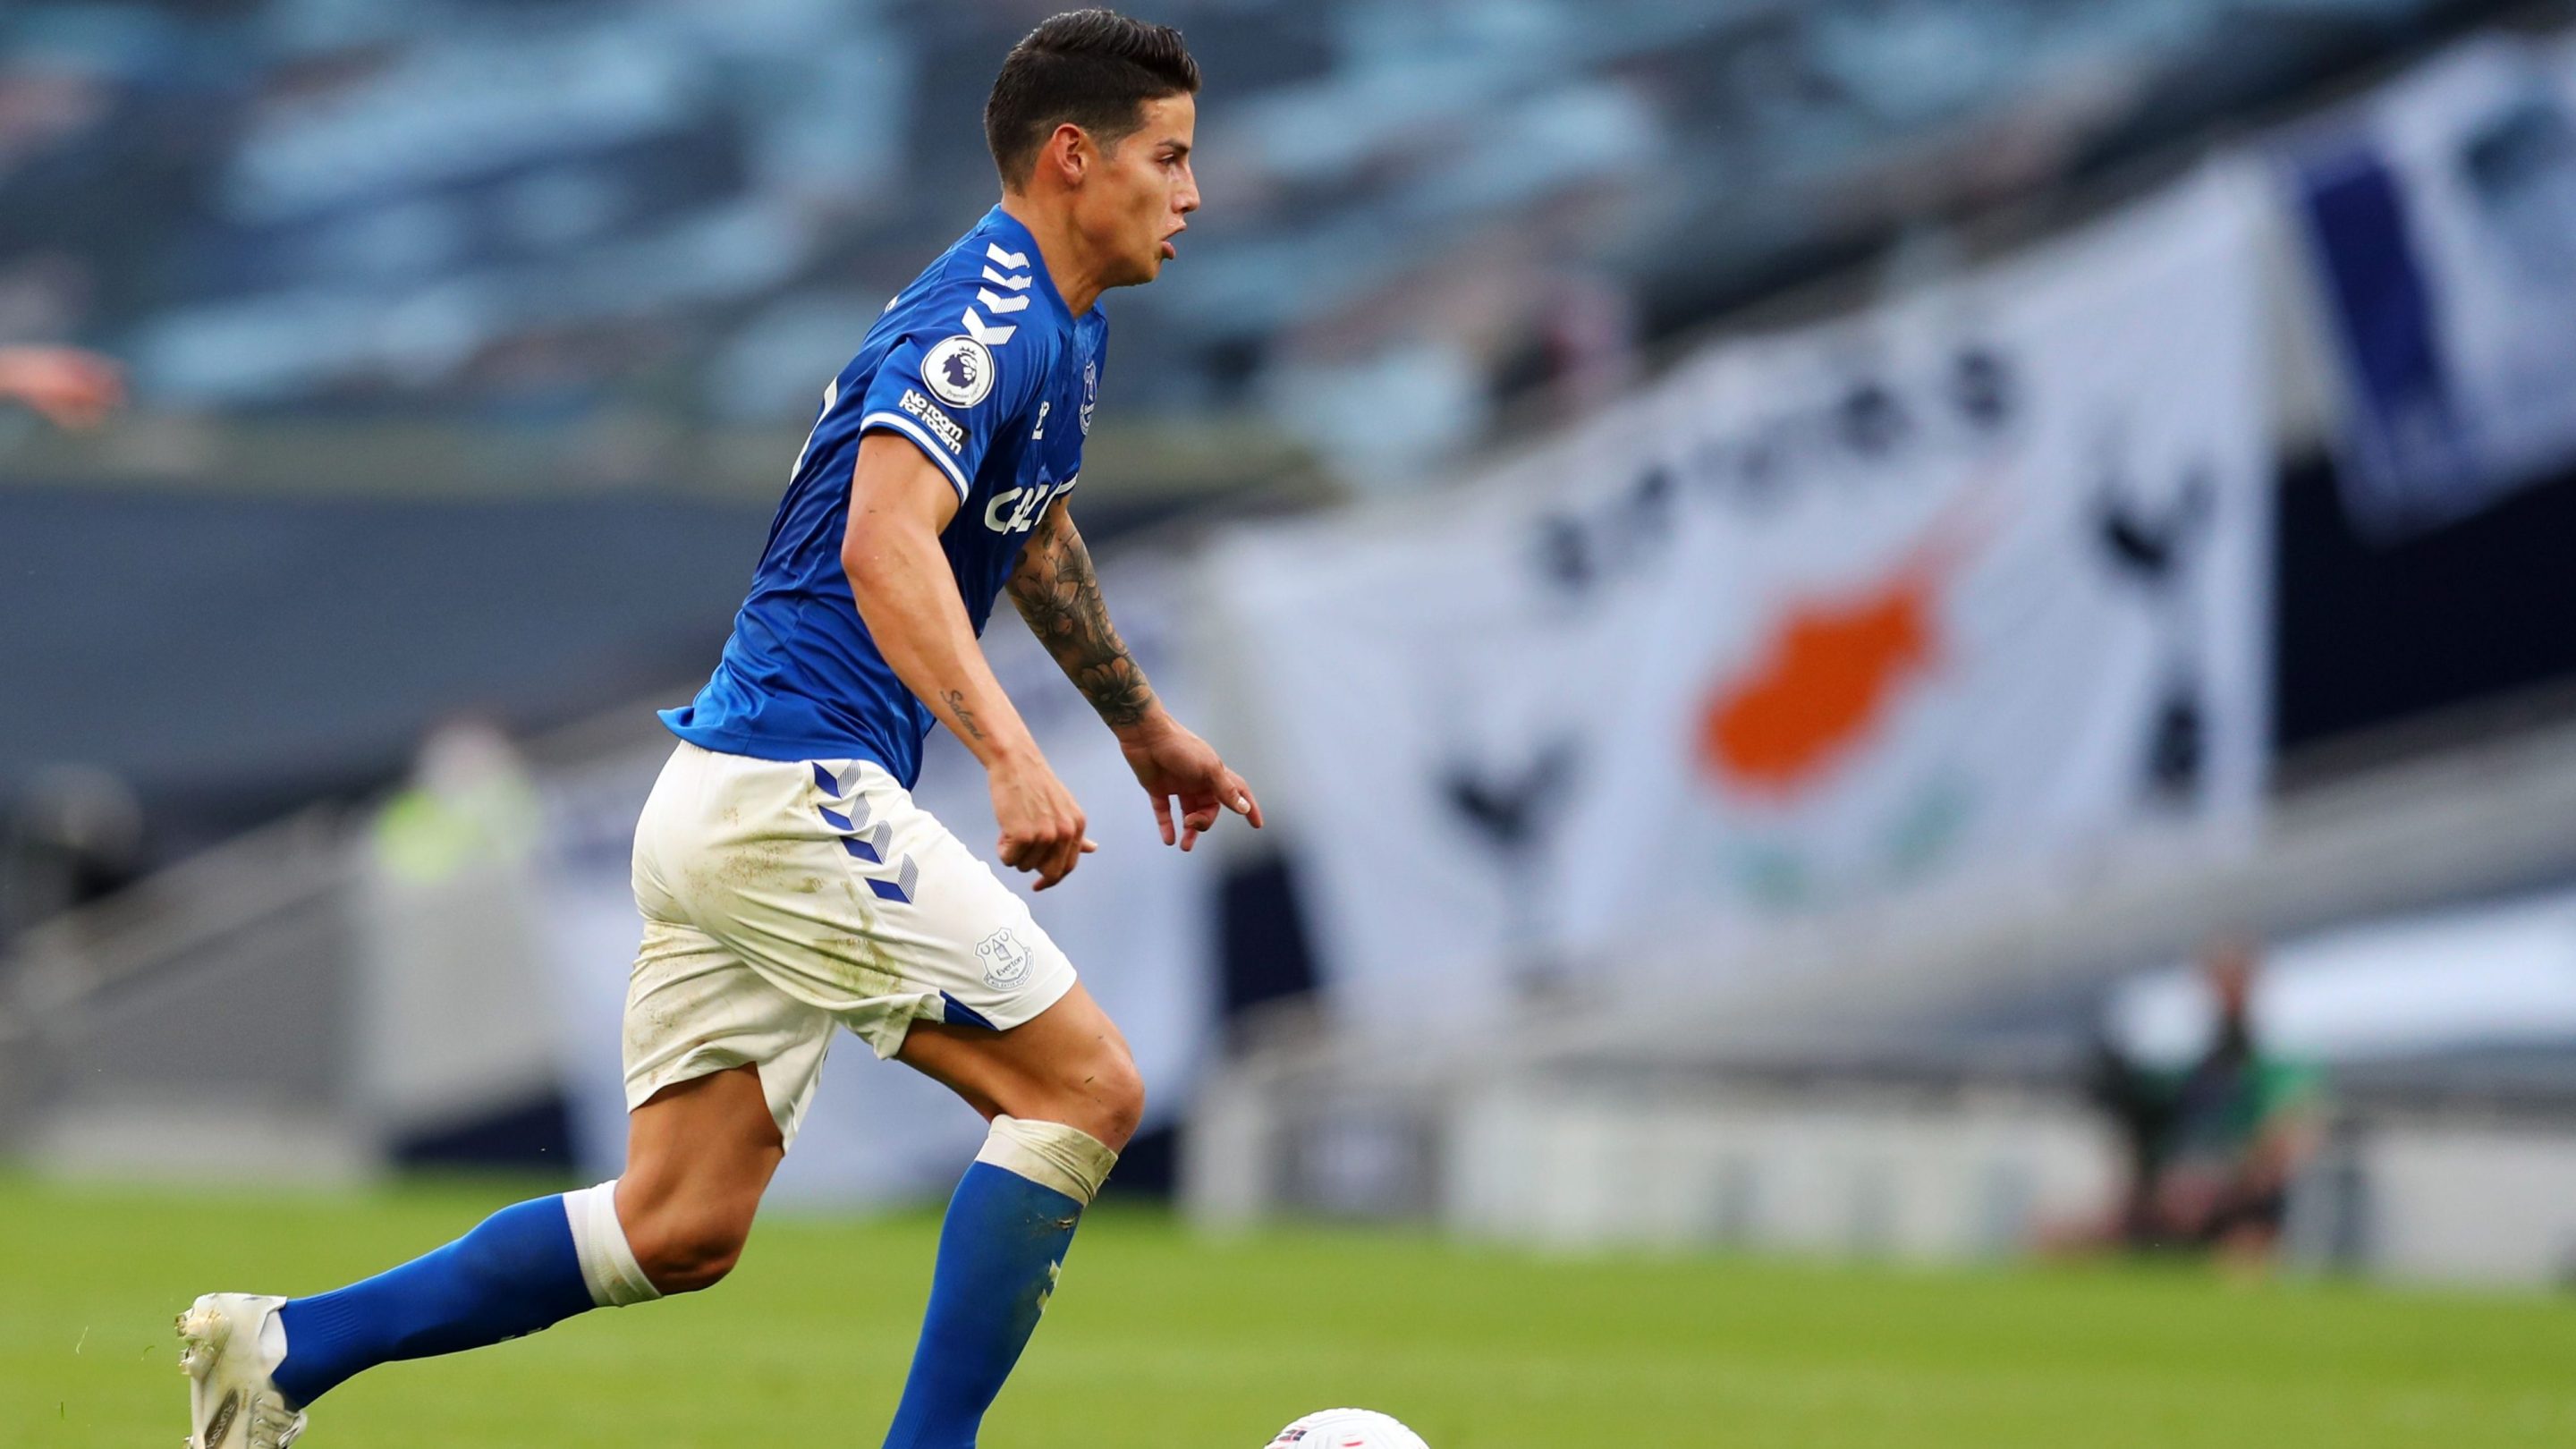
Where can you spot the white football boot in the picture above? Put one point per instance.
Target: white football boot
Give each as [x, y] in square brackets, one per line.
[229, 1344]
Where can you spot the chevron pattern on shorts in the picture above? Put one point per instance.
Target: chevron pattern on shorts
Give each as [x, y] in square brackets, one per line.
[899, 890]
[867, 841]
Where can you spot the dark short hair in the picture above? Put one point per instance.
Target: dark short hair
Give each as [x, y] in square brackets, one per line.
[1094, 68]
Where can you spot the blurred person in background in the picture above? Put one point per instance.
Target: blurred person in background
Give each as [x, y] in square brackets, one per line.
[450, 922]
[71, 388]
[469, 804]
[790, 887]
[2212, 1150]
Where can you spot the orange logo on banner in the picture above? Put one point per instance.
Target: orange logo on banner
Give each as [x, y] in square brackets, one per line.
[1825, 679]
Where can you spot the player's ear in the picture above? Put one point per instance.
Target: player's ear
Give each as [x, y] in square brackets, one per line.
[1069, 150]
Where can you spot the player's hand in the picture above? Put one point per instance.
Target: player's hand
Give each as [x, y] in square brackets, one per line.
[73, 388]
[1041, 825]
[1176, 765]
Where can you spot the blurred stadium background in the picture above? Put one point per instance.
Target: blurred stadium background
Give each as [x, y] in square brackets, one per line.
[1810, 586]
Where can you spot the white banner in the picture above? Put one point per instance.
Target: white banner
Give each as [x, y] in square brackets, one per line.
[1974, 579]
[1137, 918]
[2442, 216]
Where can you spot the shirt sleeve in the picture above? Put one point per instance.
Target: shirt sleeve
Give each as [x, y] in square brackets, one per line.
[952, 392]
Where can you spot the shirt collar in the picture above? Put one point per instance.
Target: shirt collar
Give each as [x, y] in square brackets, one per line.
[1015, 237]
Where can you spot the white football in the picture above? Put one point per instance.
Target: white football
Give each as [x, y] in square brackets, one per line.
[1347, 1429]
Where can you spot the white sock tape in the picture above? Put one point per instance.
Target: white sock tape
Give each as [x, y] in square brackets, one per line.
[1050, 1154]
[608, 1263]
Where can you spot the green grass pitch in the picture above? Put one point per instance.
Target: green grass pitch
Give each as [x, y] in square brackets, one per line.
[1160, 1341]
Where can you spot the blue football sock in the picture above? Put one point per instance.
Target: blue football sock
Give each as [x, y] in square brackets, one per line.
[999, 1252]
[515, 1273]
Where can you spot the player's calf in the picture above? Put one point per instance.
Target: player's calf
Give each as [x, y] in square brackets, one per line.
[1001, 1251]
[254, 1362]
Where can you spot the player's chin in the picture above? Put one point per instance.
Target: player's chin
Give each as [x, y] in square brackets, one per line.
[1143, 267]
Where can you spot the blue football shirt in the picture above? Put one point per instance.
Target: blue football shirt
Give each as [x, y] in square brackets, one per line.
[981, 366]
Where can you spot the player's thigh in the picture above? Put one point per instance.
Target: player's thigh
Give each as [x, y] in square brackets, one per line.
[1068, 1064]
[720, 1067]
[695, 1008]
[699, 1154]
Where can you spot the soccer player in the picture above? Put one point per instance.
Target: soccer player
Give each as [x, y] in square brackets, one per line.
[789, 886]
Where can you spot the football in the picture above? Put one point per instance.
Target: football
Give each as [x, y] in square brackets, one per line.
[1347, 1429]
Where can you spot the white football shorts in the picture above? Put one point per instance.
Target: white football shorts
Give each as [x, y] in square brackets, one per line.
[782, 900]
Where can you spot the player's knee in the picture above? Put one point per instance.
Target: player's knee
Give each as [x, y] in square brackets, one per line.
[1113, 1094]
[685, 1254]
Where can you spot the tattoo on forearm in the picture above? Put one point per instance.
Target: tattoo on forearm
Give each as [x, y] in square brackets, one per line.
[956, 699]
[1059, 596]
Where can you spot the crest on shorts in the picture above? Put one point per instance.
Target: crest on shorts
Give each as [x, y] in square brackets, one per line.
[1006, 961]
